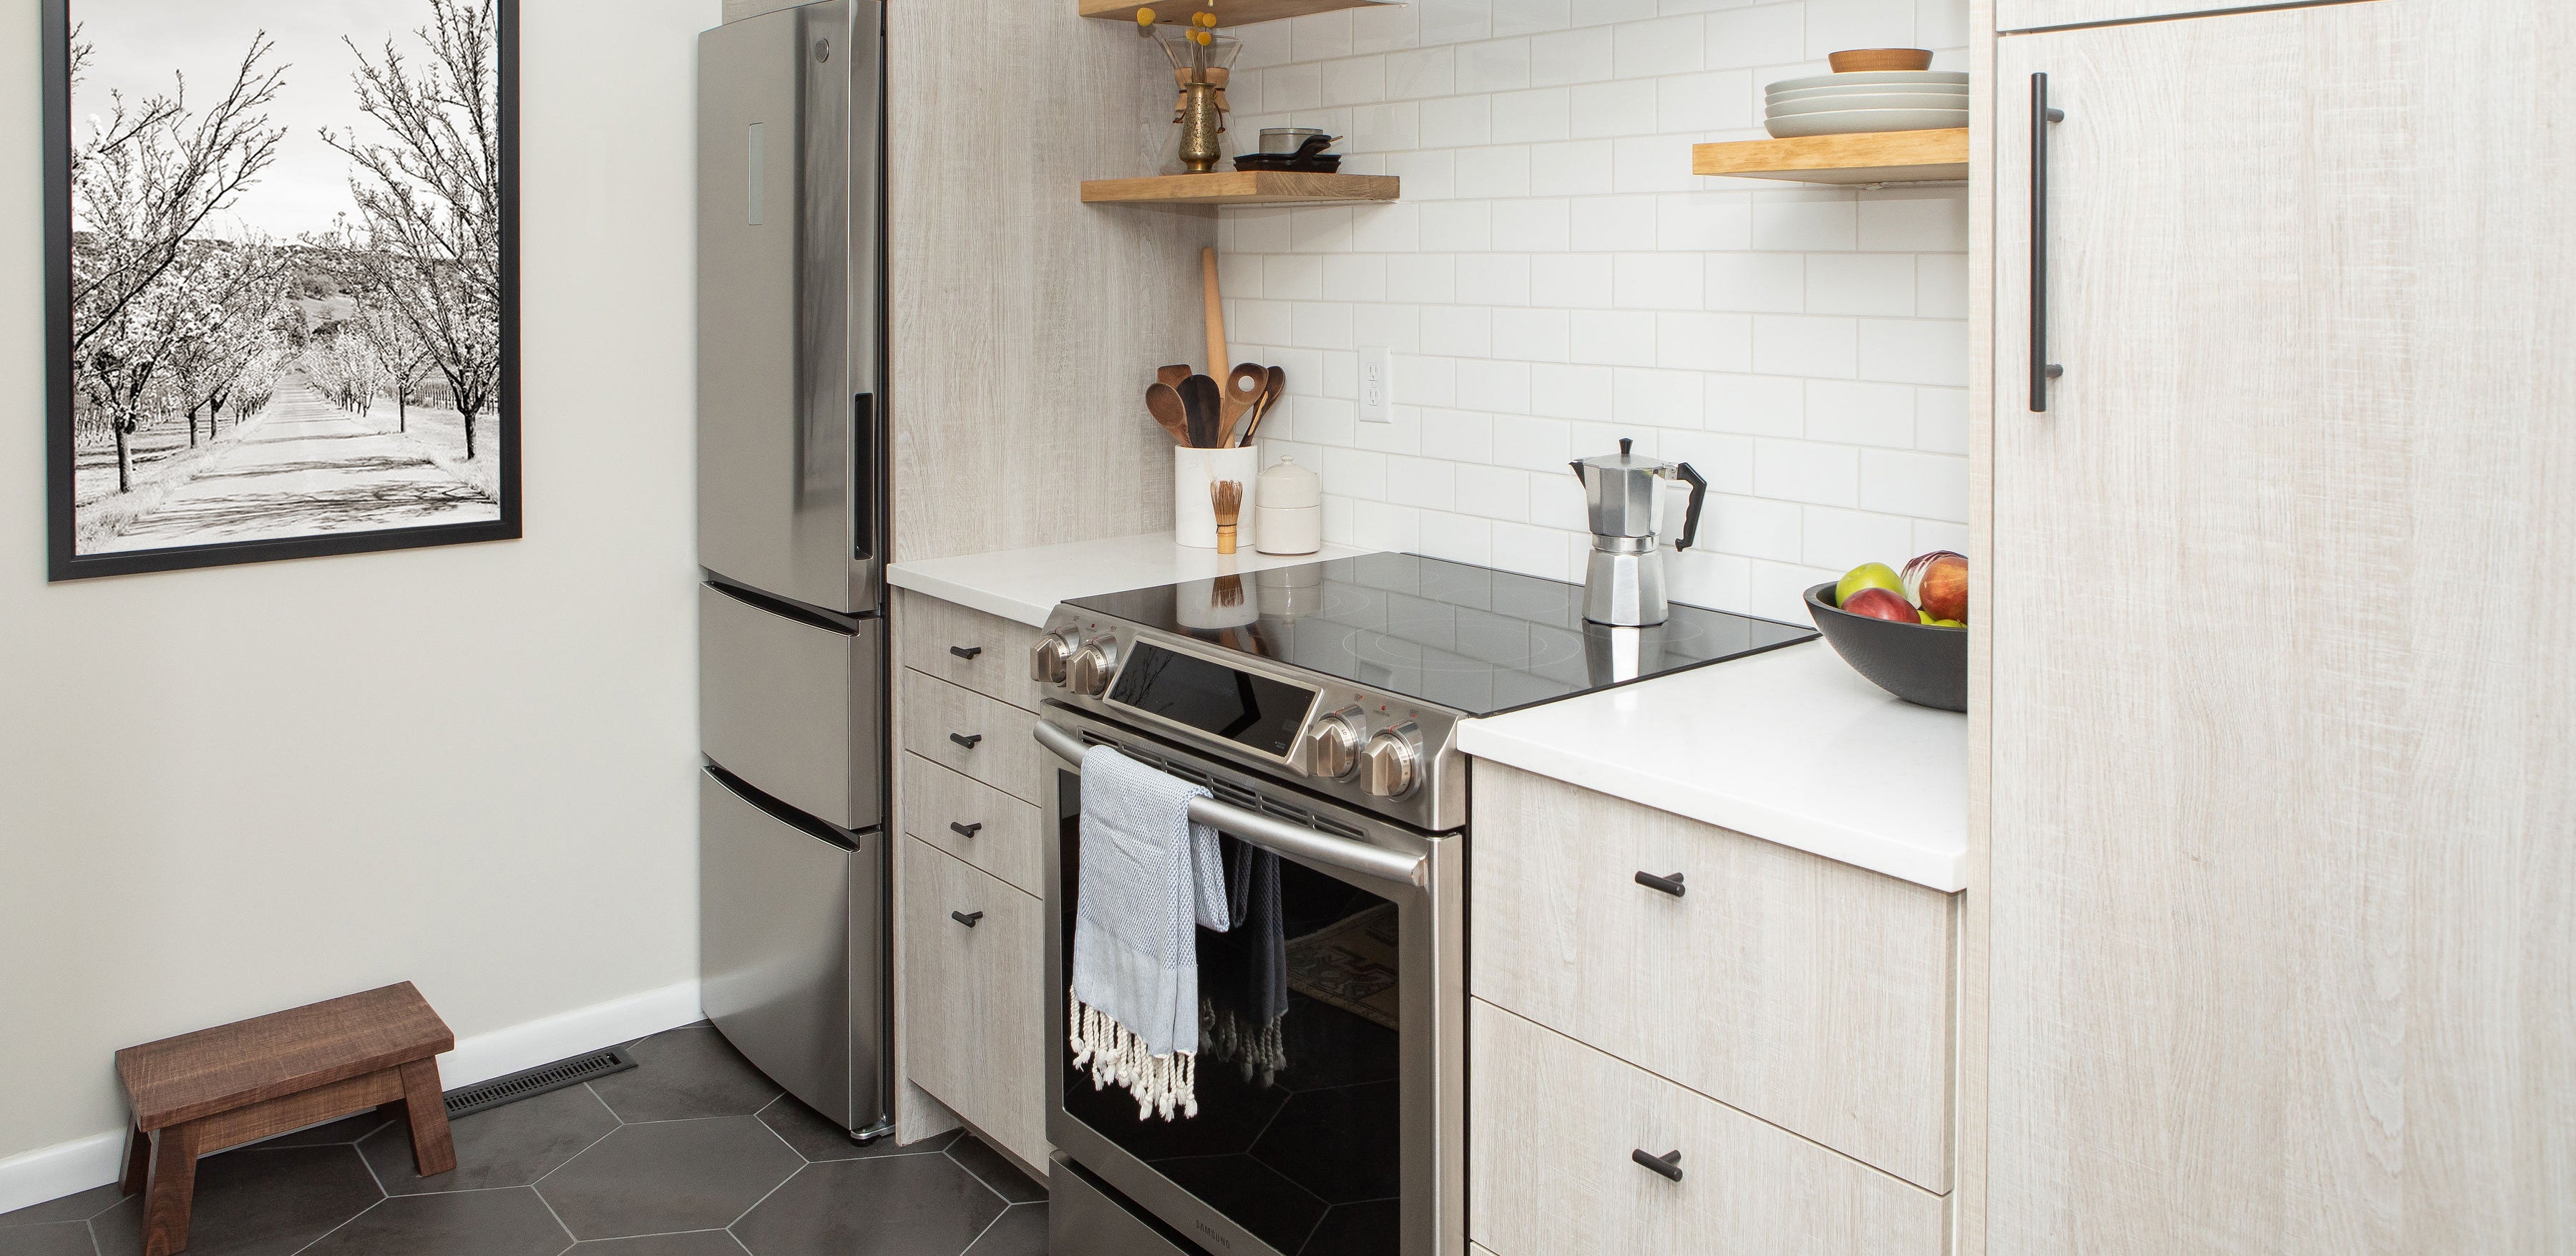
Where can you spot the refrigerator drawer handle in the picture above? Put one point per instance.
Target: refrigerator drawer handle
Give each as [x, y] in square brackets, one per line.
[965, 830]
[1670, 885]
[968, 919]
[967, 740]
[1668, 1164]
[966, 651]
[1276, 836]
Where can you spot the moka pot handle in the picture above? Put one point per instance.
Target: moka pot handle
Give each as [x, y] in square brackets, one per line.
[1698, 497]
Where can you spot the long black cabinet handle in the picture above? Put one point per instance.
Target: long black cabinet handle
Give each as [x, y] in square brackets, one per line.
[2041, 369]
[1668, 1164]
[965, 651]
[967, 740]
[965, 830]
[1670, 885]
[966, 918]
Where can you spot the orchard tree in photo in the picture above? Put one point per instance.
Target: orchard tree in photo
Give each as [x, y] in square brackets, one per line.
[430, 198]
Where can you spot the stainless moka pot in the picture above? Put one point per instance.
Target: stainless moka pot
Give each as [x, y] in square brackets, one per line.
[1623, 584]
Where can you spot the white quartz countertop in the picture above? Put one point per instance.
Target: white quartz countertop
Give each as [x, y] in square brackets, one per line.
[1792, 746]
[1024, 585]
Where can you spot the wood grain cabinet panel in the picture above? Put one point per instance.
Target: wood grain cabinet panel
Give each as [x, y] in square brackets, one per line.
[2018, 15]
[969, 648]
[974, 1036]
[1553, 1127]
[1811, 993]
[974, 822]
[966, 732]
[2283, 902]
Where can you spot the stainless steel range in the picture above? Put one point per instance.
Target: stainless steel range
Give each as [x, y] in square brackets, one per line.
[1320, 706]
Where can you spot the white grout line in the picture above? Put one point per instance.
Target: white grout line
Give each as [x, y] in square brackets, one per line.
[988, 1226]
[764, 1196]
[343, 1225]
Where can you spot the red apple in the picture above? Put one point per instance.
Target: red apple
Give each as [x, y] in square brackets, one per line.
[1938, 582]
[1881, 604]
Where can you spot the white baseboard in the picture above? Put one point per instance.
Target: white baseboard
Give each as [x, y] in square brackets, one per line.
[33, 1177]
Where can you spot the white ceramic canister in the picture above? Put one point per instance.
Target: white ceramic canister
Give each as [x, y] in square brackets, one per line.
[1195, 473]
[1292, 509]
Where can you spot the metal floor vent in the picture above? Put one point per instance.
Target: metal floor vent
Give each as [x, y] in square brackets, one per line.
[536, 1081]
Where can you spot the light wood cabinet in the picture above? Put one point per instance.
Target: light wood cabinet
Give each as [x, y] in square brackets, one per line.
[973, 821]
[975, 1035]
[970, 649]
[2279, 869]
[2022, 15]
[1554, 1126]
[1810, 993]
[966, 732]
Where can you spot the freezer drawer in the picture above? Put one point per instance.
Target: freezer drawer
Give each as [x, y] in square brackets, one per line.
[794, 704]
[788, 915]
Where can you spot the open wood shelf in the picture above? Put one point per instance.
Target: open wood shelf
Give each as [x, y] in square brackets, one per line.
[1876, 157]
[1241, 187]
[1228, 13]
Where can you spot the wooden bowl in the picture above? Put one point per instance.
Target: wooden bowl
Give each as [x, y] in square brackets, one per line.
[1858, 60]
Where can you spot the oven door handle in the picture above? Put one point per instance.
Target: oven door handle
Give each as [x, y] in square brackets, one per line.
[1276, 836]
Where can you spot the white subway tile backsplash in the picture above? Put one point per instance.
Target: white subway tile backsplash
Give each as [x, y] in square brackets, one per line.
[1554, 280]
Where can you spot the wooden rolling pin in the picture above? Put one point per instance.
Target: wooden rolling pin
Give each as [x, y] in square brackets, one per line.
[1215, 316]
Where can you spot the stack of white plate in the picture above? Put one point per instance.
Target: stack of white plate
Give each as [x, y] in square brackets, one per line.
[1873, 100]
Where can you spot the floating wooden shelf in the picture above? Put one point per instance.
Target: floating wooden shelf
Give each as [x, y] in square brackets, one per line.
[1228, 13]
[1876, 157]
[1242, 187]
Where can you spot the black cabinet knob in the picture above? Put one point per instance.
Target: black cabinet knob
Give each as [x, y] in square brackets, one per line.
[967, 740]
[1669, 1164]
[968, 919]
[965, 651]
[965, 830]
[1670, 885]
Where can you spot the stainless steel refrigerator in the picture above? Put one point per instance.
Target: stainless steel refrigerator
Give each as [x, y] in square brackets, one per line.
[794, 862]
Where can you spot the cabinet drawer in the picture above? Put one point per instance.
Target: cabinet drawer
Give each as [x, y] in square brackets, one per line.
[1552, 1125]
[974, 997]
[1812, 994]
[1001, 832]
[963, 730]
[985, 653]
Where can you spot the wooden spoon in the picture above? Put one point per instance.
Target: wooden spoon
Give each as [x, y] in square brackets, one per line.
[1164, 403]
[1275, 385]
[1203, 400]
[1243, 389]
[1173, 375]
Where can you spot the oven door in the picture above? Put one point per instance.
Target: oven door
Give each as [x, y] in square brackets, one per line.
[1336, 1128]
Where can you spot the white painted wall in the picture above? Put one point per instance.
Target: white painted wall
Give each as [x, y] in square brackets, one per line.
[1556, 278]
[232, 791]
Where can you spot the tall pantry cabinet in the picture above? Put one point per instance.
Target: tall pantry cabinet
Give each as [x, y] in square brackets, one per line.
[2275, 944]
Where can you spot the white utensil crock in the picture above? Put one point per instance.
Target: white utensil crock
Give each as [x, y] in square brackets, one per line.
[1195, 473]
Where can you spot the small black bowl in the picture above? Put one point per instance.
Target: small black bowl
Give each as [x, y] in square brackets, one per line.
[1924, 665]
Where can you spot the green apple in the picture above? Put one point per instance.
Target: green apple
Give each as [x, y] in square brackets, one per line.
[1868, 576]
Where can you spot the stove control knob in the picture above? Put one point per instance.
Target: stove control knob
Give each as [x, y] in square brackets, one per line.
[1088, 672]
[1048, 657]
[1392, 764]
[1333, 745]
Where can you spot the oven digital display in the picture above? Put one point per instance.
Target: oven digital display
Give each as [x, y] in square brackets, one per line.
[1248, 710]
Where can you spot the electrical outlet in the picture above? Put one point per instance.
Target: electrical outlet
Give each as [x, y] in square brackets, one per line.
[1377, 385]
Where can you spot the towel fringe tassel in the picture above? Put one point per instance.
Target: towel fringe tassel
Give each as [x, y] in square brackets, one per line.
[1162, 1084]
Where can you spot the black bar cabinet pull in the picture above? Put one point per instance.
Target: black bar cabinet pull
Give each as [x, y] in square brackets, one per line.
[965, 830]
[966, 918]
[1668, 1164]
[1670, 885]
[2041, 369]
[965, 651]
[967, 740]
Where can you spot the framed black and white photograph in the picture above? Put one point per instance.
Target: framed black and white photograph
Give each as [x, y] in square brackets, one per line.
[282, 273]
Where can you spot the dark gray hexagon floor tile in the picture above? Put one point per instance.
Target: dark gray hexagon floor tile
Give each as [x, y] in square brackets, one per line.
[53, 1238]
[815, 1137]
[695, 1243]
[257, 1202]
[1022, 1231]
[668, 1176]
[996, 1170]
[512, 1222]
[347, 1129]
[511, 1145]
[79, 1206]
[682, 1074]
[888, 1206]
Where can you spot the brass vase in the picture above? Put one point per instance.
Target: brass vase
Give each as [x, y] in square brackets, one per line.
[1202, 121]
[1200, 70]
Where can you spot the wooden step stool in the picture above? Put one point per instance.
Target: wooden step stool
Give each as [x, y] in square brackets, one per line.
[200, 1093]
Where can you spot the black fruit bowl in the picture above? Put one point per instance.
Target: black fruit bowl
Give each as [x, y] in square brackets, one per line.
[1924, 665]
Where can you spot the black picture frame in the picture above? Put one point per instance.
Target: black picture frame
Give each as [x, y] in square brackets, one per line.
[60, 456]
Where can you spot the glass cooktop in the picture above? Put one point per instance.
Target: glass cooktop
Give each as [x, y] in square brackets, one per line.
[1472, 639]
